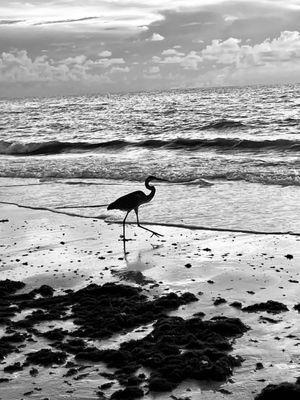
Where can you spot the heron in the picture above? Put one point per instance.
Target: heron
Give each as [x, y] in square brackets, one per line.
[132, 201]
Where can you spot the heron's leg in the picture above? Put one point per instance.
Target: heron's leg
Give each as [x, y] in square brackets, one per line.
[124, 220]
[139, 225]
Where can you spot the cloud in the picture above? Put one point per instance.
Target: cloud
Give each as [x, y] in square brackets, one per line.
[18, 67]
[107, 62]
[81, 59]
[171, 52]
[268, 62]
[89, 15]
[105, 53]
[156, 37]
[153, 70]
[206, 21]
[65, 21]
[225, 52]
[190, 60]
[284, 48]
[121, 70]
[10, 21]
[230, 18]
[221, 62]
[25, 75]
[234, 62]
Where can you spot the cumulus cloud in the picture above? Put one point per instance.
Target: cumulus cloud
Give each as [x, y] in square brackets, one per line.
[233, 61]
[271, 61]
[156, 37]
[153, 70]
[284, 48]
[105, 53]
[120, 70]
[172, 56]
[191, 60]
[73, 60]
[231, 52]
[225, 52]
[18, 66]
[107, 62]
[230, 18]
[171, 52]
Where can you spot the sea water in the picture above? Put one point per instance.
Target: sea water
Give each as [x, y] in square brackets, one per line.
[231, 155]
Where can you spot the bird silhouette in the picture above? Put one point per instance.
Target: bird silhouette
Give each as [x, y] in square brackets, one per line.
[132, 201]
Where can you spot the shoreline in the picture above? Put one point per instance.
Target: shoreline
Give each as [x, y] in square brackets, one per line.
[228, 206]
[170, 225]
[69, 253]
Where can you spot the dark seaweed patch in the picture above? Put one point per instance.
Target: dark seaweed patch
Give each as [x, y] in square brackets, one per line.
[174, 351]
[273, 307]
[46, 357]
[284, 390]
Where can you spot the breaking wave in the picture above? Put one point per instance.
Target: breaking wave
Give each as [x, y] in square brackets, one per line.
[57, 147]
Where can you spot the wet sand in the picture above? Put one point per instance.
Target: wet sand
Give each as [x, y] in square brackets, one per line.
[226, 272]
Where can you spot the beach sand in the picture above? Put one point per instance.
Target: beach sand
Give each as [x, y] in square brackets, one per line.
[41, 247]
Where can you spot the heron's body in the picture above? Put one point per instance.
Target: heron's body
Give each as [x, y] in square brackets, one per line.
[133, 201]
[129, 202]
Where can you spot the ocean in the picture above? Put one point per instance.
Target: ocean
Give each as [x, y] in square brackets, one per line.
[231, 155]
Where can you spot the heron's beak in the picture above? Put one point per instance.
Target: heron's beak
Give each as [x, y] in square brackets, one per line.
[161, 180]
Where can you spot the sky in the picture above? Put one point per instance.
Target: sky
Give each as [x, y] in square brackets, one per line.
[61, 47]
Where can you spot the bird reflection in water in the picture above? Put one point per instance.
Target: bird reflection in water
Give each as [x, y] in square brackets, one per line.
[140, 262]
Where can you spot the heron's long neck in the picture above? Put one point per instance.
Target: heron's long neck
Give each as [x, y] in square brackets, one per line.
[152, 191]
